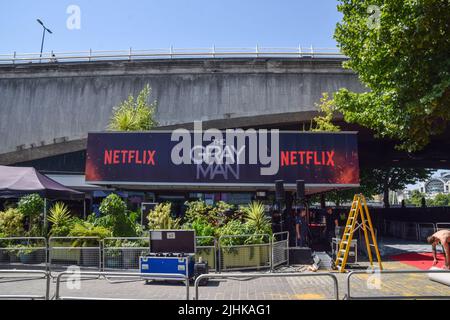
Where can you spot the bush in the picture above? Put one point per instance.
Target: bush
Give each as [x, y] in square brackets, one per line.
[113, 205]
[115, 217]
[85, 229]
[234, 228]
[31, 205]
[218, 215]
[197, 210]
[11, 223]
[202, 229]
[160, 218]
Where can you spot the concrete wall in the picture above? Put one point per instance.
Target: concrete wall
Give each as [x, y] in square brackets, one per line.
[41, 102]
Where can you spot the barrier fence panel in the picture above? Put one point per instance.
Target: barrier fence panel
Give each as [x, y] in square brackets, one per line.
[100, 286]
[206, 249]
[425, 229]
[443, 226]
[23, 253]
[398, 284]
[245, 252]
[254, 276]
[84, 252]
[410, 231]
[280, 249]
[123, 253]
[397, 229]
[24, 284]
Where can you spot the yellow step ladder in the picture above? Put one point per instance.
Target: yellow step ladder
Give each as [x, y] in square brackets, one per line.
[358, 210]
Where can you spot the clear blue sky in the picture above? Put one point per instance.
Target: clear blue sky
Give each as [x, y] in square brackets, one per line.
[147, 24]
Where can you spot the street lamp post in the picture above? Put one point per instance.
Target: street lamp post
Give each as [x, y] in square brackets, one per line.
[45, 29]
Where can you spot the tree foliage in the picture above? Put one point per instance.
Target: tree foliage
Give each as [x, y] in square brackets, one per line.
[404, 60]
[440, 200]
[135, 114]
[376, 181]
[324, 121]
[415, 198]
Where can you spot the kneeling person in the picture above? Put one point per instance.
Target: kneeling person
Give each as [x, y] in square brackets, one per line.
[442, 237]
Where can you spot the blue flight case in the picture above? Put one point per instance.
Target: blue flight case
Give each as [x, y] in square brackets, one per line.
[168, 265]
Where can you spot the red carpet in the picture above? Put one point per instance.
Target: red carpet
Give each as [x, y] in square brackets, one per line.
[423, 260]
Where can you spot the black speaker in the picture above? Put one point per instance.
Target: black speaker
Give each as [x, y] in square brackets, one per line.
[279, 190]
[300, 189]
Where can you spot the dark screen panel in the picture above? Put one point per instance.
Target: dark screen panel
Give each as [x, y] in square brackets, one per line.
[172, 241]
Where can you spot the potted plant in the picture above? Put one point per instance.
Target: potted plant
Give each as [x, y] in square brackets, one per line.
[259, 224]
[26, 254]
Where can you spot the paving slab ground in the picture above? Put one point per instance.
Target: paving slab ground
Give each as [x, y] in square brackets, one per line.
[279, 288]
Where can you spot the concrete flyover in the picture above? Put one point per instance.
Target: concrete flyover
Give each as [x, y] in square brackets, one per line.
[48, 108]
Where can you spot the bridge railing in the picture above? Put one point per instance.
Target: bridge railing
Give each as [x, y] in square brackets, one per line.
[171, 53]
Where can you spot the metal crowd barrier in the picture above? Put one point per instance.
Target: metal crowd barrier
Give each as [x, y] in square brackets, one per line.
[44, 275]
[23, 251]
[425, 229]
[207, 252]
[412, 230]
[246, 276]
[84, 252]
[245, 256]
[443, 226]
[122, 253]
[280, 249]
[384, 272]
[142, 276]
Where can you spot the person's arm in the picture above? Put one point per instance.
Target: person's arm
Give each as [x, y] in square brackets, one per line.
[297, 230]
[447, 255]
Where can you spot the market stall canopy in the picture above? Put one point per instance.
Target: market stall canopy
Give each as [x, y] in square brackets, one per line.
[18, 181]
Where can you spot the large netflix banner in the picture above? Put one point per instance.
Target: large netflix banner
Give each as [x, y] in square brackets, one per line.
[230, 157]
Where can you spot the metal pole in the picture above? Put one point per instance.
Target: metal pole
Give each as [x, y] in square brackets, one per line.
[42, 44]
[45, 216]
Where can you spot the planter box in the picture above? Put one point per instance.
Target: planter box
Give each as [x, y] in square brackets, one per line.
[207, 255]
[13, 257]
[130, 258]
[252, 256]
[4, 257]
[113, 262]
[90, 257]
[66, 254]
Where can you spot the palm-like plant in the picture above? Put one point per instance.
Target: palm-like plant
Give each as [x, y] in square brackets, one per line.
[256, 218]
[60, 218]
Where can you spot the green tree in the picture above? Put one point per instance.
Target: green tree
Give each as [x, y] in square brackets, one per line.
[324, 121]
[403, 59]
[416, 198]
[440, 200]
[381, 180]
[135, 114]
